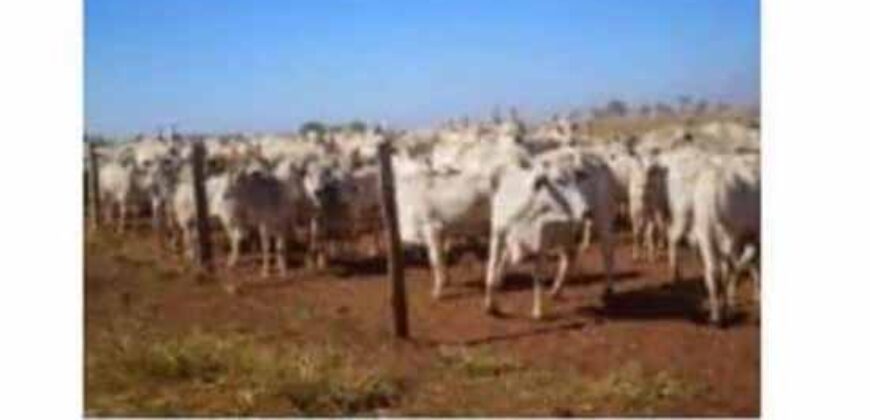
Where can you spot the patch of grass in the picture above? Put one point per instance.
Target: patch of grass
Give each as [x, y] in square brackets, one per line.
[632, 389]
[160, 375]
[476, 362]
[301, 311]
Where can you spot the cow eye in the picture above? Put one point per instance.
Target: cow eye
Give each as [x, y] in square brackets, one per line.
[580, 174]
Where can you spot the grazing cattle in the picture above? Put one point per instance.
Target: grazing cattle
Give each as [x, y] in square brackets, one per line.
[532, 190]
[678, 173]
[485, 157]
[245, 198]
[726, 204]
[323, 183]
[432, 205]
[540, 209]
[256, 199]
[647, 207]
[147, 152]
[346, 203]
[184, 208]
[121, 186]
[159, 182]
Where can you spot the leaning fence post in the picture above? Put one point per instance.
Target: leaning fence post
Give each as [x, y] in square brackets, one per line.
[203, 235]
[94, 187]
[395, 260]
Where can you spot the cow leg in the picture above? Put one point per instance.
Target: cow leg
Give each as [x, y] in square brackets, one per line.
[605, 234]
[107, 212]
[675, 236]
[235, 235]
[638, 225]
[745, 263]
[729, 279]
[194, 248]
[493, 270]
[756, 282]
[281, 253]
[122, 219]
[711, 265]
[587, 235]
[265, 248]
[187, 242]
[313, 242]
[176, 241]
[538, 286]
[565, 262]
[657, 231]
[155, 215]
[436, 260]
[649, 241]
[499, 269]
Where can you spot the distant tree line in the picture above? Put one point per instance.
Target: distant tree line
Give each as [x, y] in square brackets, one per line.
[320, 128]
[684, 105]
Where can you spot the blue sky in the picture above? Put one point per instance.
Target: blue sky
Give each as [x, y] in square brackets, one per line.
[220, 65]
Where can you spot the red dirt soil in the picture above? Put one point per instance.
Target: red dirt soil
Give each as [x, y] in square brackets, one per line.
[650, 321]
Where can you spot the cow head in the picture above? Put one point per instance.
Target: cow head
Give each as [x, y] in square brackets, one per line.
[322, 184]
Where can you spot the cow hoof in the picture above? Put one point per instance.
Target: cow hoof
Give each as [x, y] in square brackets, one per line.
[556, 294]
[437, 295]
[492, 309]
[537, 315]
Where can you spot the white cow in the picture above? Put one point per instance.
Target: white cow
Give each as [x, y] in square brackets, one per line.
[646, 204]
[256, 199]
[540, 209]
[726, 203]
[679, 171]
[434, 204]
[249, 197]
[159, 181]
[184, 208]
[121, 187]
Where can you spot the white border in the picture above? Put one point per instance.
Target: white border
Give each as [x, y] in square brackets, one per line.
[816, 155]
[41, 258]
[815, 105]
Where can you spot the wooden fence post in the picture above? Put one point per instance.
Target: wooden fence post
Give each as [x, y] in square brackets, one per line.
[203, 234]
[94, 187]
[395, 257]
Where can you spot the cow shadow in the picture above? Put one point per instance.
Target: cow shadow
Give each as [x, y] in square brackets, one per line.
[678, 300]
[347, 267]
[685, 299]
[520, 281]
[353, 267]
[536, 331]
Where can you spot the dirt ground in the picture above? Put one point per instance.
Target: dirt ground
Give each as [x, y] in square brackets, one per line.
[150, 321]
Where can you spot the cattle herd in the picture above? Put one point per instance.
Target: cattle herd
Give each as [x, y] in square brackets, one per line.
[531, 190]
